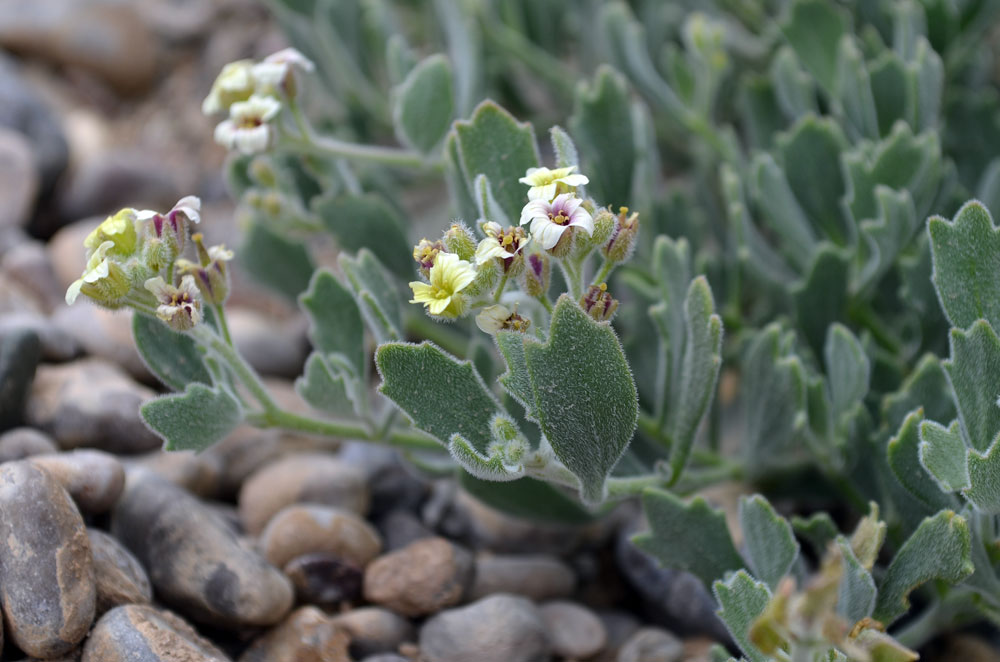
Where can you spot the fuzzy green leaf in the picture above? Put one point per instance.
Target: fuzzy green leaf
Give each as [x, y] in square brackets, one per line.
[529, 499]
[516, 381]
[891, 91]
[330, 385]
[440, 394]
[482, 465]
[966, 254]
[814, 28]
[782, 212]
[944, 455]
[984, 480]
[564, 148]
[975, 361]
[904, 459]
[742, 601]
[587, 400]
[173, 357]
[688, 536]
[194, 419]
[672, 271]
[282, 264]
[489, 208]
[886, 235]
[927, 385]
[818, 530]
[367, 221]
[856, 593]
[458, 187]
[938, 549]
[794, 88]
[494, 144]
[334, 319]
[425, 104]
[602, 125]
[847, 369]
[376, 294]
[821, 299]
[770, 546]
[853, 90]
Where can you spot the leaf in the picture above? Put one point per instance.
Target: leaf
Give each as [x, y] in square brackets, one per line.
[425, 104]
[892, 91]
[904, 459]
[687, 536]
[489, 208]
[926, 385]
[586, 398]
[334, 319]
[938, 549]
[528, 499]
[782, 212]
[330, 385]
[742, 601]
[885, 236]
[821, 298]
[494, 144]
[517, 381]
[975, 362]
[486, 466]
[771, 548]
[966, 253]
[564, 148]
[376, 294]
[794, 88]
[173, 357]
[853, 90]
[602, 125]
[984, 480]
[814, 29]
[818, 530]
[847, 369]
[943, 454]
[194, 419]
[458, 187]
[282, 264]
[856, 593]
[367, 221]
[672, 272]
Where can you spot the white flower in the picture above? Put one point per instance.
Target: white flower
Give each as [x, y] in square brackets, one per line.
[500, 244]
[545, 183]
[179, 307]
[248, 128]
[273, 73]
[550, 219]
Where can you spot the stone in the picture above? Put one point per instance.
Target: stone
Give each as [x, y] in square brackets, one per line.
[304, 528]
[58, 345]
[535, 576]
[500, 628]
[620, 626]
[120, 578]
[140, 633]
[300, 478]
[386, 657]
[19, 443]
[422, 578]
[93, 478]
[401, 527]
[195, 562]
[22, 110]
[118, 178]
[394, 484]
[195, 472]
[28, 264]
[105, 38]
[91, 403]
[275, 347]
[67, 253]
[323, 579]
[179, 20]
[374, 630]
[652, 645]
[20, 351]
[241, 453]
[47, 588]
[104, 334]
[19, 179]
[307, 635]
[574, 631]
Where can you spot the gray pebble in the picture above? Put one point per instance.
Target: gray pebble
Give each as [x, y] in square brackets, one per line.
[300, 478]
[401, 527]
[90, 403]
[195, 562]
[195, 472]
[20, 351]
[652, 645]
[536, 576]
[94, 479]
[500, 628]
[422, 578]
[120, 578]
[47, 586]
[304, 528]
[307, 635]
[19, 180]
[19, 443]
[386, 657]
[139, 633]
[374, 630]
[575, 631]
[58, 345]
[28, 264]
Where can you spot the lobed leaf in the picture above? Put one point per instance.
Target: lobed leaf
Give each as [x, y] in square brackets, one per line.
[376, 294]
[489, 208]
[771, 549]
[741, 602]
[280, 263]
[194, 419]
[943, 454]
[330, 385]
[334, 319]
[847, 369]
[975, 363]
[814, 29]
[904, 459]
[173, 357]
[984, 480]
[856, 593]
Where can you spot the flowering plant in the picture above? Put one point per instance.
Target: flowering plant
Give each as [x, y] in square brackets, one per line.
[591, 373]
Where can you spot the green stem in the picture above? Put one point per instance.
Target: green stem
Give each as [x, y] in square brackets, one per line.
[602, 275]
[546, 303]
[238, 365]
[572, 276]
[408, 439]
[220, 316]
[500, 289]
[392, 156]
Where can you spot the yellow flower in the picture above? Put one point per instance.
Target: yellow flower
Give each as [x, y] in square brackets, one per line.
[118, 229]
[546, 184]
[103, 281]
[449, 276]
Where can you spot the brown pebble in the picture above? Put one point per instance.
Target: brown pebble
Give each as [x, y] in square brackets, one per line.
[20, 443]
[307, 635]
[139, 633]
[93, 478]
[574, 631]
[374, 630]
[304, 528]
[120, 578]
[422, 578]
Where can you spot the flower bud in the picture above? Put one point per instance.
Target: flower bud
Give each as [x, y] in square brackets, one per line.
[104, 280]
[211, 276]
[261, 171]
[598, 303]
[487, 275]
[425, 252]
[605, 224]
[500, 318]
[235, 83]
[621, 245]
[170, 229]
[459, 240]
[536, 275]
[118, 229]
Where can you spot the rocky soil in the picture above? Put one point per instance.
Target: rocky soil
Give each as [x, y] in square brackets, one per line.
[267, 547]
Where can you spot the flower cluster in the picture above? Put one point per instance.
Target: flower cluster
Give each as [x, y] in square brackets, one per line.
[254, 93]
[460, 274]
[134, 259]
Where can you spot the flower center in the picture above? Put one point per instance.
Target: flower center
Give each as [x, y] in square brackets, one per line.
[250, 122]
[559, 217]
